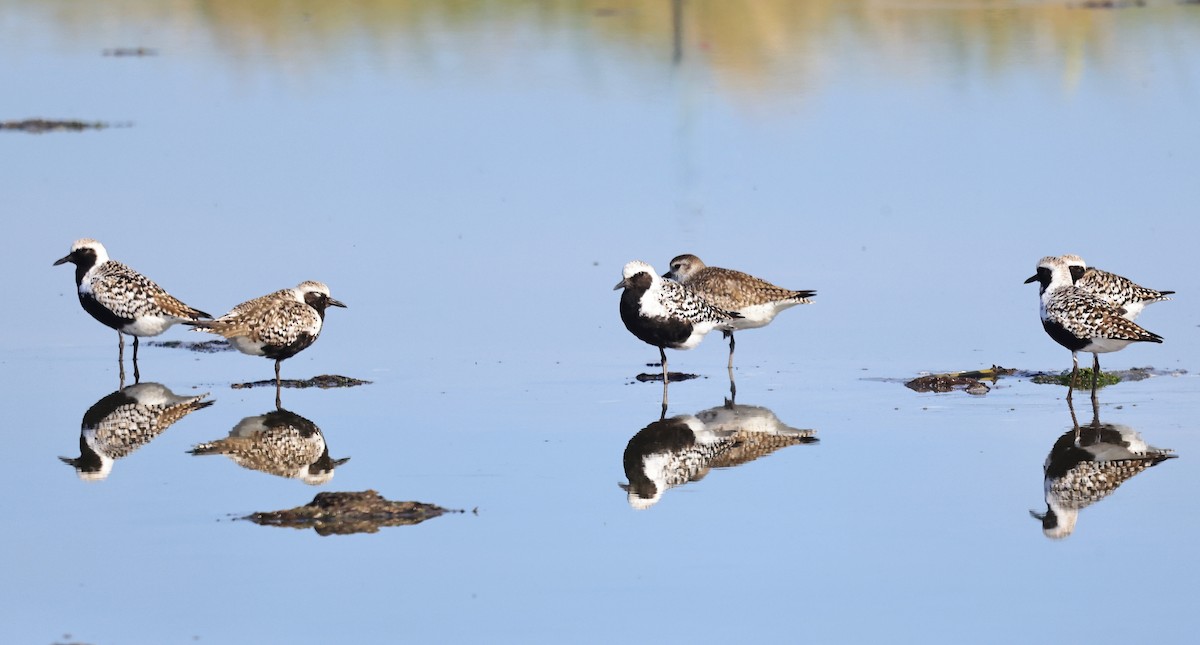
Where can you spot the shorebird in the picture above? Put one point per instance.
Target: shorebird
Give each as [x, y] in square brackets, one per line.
[120, 423]
[278, 325]
[123, 299]
[1087, 464]
[1118, 291]
[673, 451]
[757, 300]
[665, 313]
[1081, 321]
[279, 443]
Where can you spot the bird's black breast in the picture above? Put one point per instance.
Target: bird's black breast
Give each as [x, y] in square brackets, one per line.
[1064, 337]
[280, 352]
[102, 313]
[665, 436]
[660, 332]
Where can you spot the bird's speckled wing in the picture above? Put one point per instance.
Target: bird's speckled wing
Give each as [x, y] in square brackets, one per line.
[276, 319]
[129, 294]
[1087, 316]
[689, 305]
[1116, 290]
[735, 290]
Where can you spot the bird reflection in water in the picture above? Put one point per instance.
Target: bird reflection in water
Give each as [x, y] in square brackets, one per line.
[120, 423]
[672, 452]
[279, 443]
[1086, 464]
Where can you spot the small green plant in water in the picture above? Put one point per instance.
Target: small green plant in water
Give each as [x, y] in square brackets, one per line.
[1084, 381]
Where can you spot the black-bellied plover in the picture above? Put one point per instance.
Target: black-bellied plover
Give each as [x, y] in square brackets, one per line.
[1087, 464]
[278, 325]
[1081, 321]
[124, 421]
[279, 443]
[672, 452]
[757, 300]
[1118, 291]
[665, 313]
[123, 299]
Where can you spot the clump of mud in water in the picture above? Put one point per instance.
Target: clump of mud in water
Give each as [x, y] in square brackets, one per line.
[657, 376]
[970, 382]
[40, 126]
[347, 513]
[202, 346]
[324, 381]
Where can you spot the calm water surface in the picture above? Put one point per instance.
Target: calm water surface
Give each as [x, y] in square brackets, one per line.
[469, 178]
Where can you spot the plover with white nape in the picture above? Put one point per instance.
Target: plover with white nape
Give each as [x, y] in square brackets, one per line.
[1081, 321]
[123, 299]
[664, 313]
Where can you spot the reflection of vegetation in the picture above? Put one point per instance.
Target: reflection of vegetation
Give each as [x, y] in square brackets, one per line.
[745, 44]
[1083, 381]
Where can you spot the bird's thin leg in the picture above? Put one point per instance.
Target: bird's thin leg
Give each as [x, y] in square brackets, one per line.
[1074, 420]
[1095, 413]
[731, 350]
[137, 376]
[278, 385]
[1095, 375]
[732, 387]
[1074, 375]
[663, 354]
[121, 357]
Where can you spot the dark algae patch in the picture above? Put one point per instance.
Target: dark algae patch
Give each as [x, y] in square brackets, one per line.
[970, 381]
[324, 381]
[40, 126]
[347, 513]
[1084, 381]
[671, 376]
[202, 346]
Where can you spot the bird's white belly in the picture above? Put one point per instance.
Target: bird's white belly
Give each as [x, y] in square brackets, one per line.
[758, 315]
[246, 346]
[149, 325]
[1103, 345]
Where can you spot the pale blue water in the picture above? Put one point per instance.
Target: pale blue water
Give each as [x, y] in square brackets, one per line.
[469, 179]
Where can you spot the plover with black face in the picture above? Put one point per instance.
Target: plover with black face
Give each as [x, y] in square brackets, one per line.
[1086, 465]
[278, 325]
[122, 298]
[665, 313]
[124, 421]
[1081, 321]
[1118, 291]
[757, 300]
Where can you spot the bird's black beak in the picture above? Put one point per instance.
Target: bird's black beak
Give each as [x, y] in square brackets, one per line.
[1032, 278]
[63, 260]
[335, 303]
[622, 284]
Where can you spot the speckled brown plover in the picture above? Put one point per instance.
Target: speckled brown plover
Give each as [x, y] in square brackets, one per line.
[278, 325]
[757, 300]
